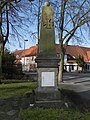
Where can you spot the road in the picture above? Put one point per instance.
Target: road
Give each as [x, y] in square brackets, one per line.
[77, 78]
[79, 82]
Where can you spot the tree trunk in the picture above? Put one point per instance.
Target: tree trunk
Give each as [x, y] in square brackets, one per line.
[38, 25]
[0, 41]
[0, 58]
[60, 74]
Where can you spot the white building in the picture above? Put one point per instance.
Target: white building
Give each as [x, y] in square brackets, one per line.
[27, 58]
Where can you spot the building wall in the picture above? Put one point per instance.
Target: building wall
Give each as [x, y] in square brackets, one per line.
[67, 66]
[65, 59]
[71, 67]
[28, 63]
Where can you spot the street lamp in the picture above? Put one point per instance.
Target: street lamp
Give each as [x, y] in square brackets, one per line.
[24, 53]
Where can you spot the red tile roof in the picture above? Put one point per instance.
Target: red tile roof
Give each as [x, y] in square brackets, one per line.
[71, 50]
[30, 52]
[88, 54]
[27, 52]
[18, 52]
[78, 51]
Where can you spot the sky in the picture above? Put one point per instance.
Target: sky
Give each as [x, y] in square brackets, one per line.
[33, 41]
[14, 44]
[30, 43]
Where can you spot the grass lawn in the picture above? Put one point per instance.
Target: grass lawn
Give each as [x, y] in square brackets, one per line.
[17, 89]
[53, 114]
[14, 89]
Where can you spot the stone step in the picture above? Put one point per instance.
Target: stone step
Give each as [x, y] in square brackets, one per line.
[50, 104]
[55, 101]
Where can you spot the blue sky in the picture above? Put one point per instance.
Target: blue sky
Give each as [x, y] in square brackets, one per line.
[33, 41]
[30, 42]
[14, 44]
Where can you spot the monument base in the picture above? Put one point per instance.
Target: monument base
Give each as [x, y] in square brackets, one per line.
[47, 95]
[47, 92]
[47, 98]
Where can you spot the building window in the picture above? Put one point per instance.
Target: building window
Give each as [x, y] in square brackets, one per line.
[70, 57]
[72, 67]
[87, 66]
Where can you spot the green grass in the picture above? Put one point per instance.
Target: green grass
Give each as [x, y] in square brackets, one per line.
[13, 81]
[14, 89]
[53, 114]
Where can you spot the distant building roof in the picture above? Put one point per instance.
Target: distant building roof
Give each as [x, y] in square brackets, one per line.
[73, 51]
[30, 52]
[79, 51]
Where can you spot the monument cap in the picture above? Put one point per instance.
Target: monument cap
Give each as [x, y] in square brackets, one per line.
[47, 3]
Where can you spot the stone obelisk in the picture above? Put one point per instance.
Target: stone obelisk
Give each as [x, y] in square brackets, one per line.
[47, 33]
[47, 61]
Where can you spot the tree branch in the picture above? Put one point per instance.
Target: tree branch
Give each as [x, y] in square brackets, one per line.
[7, 22]
[62, 19]
[83, 15]
[71, 35]
[74, 30]
[80, 8]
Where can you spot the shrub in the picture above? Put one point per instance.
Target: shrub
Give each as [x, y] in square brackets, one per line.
[8, 68]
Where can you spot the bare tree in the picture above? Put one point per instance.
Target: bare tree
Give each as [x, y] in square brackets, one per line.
[14, 18]
[70, 16]
[36, 13]
[70, 19]
[3, 36]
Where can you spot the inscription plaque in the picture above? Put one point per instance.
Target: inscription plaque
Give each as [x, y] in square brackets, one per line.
[48, 79]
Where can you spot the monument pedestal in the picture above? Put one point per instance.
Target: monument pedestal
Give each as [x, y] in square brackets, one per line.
[47, 91]
[47, 68]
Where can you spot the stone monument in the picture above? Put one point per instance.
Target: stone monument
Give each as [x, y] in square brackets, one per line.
[47, 61]
[47, 34]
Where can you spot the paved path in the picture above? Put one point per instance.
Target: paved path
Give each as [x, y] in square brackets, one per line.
[77, 78]
[79, 82]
